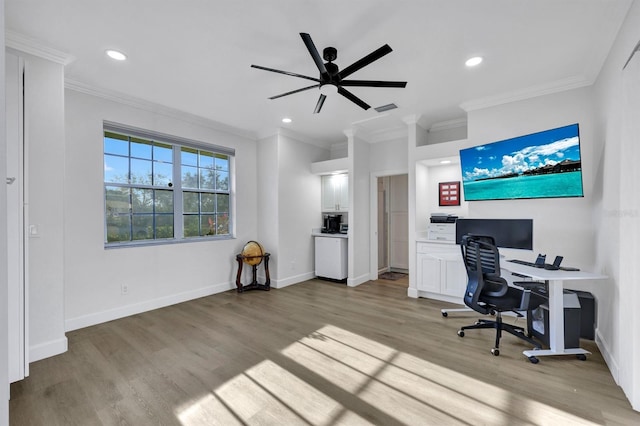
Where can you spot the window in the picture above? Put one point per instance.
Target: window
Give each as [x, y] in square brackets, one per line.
[163, 188]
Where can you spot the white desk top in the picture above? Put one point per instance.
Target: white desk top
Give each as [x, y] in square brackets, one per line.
[547, 274]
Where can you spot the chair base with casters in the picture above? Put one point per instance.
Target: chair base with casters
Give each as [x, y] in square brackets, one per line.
[500, 326]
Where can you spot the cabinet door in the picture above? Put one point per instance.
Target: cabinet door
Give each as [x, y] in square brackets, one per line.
[328, 195]
[335, 193]
[342, 192]
[428, 273]
[454, 282]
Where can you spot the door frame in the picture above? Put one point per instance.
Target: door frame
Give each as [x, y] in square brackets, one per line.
[18, 243]
[373, 217]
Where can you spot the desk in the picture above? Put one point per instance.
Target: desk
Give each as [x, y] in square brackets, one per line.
[556, 304]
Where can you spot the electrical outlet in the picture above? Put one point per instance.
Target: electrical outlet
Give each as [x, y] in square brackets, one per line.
[124, 289]
[293, 265]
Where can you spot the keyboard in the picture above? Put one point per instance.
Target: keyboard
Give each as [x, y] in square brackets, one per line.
[524, 262]
[546, 266]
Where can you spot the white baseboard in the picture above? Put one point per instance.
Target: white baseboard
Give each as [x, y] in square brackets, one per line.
[412, 292]
[354, 282]
[48, 349]
[442, 297]
[148, 305]
[285, 282]
[608, 356]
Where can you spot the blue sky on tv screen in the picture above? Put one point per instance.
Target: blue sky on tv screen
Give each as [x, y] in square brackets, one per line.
[520, 154]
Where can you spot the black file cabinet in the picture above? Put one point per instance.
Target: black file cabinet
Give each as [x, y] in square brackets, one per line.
[587, 314]
[538, 321]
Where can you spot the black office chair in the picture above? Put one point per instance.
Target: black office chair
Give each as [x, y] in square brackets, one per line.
[488, 293]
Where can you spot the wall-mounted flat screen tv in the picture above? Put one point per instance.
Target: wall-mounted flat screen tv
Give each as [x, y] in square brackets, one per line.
[540, 165]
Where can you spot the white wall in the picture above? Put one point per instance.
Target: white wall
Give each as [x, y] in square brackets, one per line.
[299, 209]
[562, 226]
[268, 204]
[155, 275]
[389, 156]
[617, 212]
[4, 338]
[359, 210]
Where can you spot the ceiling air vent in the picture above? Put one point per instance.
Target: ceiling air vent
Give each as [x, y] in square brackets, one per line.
[386, 107]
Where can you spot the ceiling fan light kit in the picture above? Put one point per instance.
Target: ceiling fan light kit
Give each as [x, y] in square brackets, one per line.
[331, 79]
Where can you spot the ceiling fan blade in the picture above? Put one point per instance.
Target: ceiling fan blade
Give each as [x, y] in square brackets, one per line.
[373, 83]
[286, 72]
[373, 56]
[314, 54]
[353, 98]
[295, 91]
[320, 103]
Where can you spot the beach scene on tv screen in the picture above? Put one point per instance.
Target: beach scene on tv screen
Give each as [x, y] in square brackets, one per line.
[540, 165]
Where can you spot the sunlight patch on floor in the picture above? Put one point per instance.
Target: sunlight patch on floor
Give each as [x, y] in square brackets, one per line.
[267, 394]
[395, 385]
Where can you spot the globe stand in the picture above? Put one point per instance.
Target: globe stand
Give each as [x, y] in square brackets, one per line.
[264, 258]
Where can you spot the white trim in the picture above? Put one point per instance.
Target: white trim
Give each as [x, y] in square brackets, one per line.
[142, 104]
[608, 357]
[148, 305]
[438, 296]
[354, 282]
[17, 41]
[569, 83]
[448, 125]
[286, 282]
[48, 349]
[281, 131]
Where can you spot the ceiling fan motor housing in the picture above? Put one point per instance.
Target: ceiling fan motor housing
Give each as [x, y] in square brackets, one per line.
[330, 54]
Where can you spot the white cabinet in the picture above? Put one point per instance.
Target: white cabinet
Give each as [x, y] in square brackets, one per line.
[335, 193]
[440, 272]
[331, 257]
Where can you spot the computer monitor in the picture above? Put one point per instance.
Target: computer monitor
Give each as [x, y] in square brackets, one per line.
[508, 233]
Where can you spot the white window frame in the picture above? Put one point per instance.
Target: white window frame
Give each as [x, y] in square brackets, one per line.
[178, 215]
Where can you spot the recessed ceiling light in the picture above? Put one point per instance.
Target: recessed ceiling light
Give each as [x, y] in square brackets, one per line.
[286, 120]
[472, 62]
[118, 56]
[445, 162]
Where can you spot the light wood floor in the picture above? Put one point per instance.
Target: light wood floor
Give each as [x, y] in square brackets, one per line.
[316, 353]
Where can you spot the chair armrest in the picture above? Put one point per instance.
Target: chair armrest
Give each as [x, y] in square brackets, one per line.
[528, 284]
[538, 287]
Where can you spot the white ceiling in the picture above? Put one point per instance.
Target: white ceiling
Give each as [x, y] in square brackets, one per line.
[195, 55]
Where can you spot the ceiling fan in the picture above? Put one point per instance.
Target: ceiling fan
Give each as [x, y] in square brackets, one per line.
[332, 78]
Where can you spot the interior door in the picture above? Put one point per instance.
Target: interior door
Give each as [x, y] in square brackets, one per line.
[18, 355]
[399, 222]
[383, 256]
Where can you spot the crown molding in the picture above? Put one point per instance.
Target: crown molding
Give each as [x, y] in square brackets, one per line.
[389, 134]
[412, 119]
[292, 134]
[142, 104]
[23, 43]
[557, 86]
[448, 125]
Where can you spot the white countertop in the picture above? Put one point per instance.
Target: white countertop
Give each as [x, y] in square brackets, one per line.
[320, 234]
[421, 239]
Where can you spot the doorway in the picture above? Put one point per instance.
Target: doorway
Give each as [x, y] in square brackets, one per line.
[392, 226]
